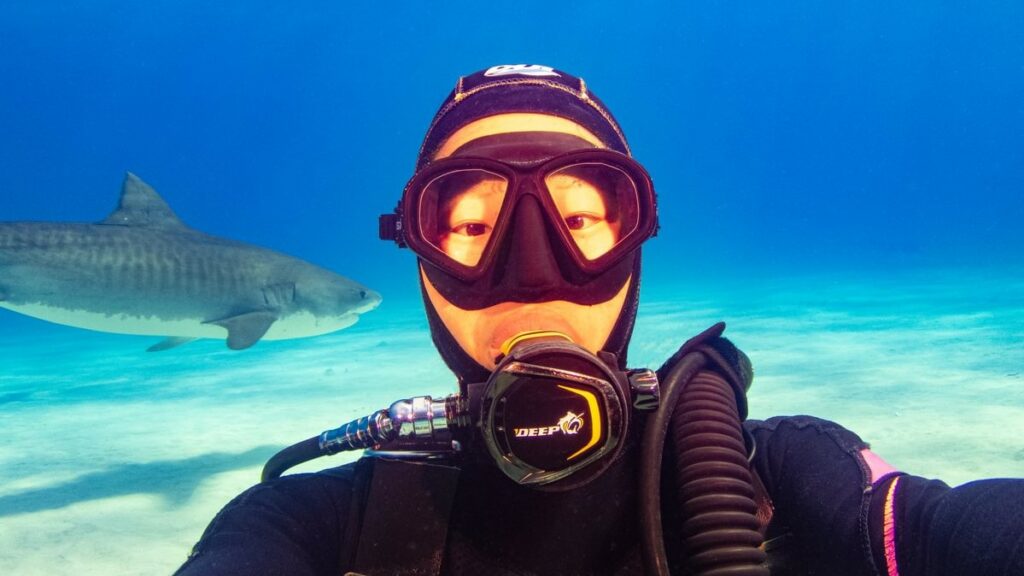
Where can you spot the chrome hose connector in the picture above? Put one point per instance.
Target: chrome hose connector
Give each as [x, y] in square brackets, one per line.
[418, 418]
[365, 432]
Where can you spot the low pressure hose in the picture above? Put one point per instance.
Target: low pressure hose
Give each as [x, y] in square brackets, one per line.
[293, 455]
[713, 481]
[424, 419]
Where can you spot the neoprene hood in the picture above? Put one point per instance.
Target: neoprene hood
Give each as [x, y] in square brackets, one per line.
[528, 89]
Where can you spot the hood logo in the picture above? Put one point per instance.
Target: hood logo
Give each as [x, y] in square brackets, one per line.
[569, 424]
[520, 69]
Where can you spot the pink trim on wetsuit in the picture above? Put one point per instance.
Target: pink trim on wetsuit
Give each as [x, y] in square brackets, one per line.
[889, 529]
[879, 469]
[878, 466]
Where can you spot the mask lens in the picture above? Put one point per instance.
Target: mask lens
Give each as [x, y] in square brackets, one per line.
[458, 211]
[598, 203]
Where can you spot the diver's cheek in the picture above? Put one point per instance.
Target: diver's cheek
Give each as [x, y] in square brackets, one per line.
[465, 326]
[594, 324]
[596, 241]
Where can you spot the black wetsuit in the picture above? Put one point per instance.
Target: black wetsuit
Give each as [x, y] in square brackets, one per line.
[828, 519]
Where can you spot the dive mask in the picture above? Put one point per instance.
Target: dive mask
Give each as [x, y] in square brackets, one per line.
[560, 222]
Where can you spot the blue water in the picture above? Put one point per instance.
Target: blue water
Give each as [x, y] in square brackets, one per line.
[841, 184]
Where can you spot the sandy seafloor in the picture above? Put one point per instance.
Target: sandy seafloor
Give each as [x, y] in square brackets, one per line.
[115, 459]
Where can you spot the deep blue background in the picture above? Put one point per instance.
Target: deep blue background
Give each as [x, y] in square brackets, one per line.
[783, 137]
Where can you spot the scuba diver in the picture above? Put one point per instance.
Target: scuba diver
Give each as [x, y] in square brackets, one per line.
[527, 214]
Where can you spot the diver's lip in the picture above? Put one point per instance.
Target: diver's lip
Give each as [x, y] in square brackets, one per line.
[528, 322]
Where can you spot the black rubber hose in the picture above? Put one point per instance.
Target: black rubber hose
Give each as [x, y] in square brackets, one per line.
[713, 482]
[651, 536]
[291, 456]
[720, 531]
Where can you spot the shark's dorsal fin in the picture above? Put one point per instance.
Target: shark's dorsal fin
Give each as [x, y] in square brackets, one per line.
[141, 206]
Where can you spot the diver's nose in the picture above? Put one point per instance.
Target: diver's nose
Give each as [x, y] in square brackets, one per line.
[530, 261]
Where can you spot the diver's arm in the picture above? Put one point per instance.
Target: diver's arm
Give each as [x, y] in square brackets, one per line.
[293, 525]
[923, 526]
[818, 483]
[834, 515]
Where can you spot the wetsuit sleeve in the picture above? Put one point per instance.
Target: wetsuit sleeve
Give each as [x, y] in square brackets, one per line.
[923, 526]
[829, 518]
[293, 525]
[816, 481]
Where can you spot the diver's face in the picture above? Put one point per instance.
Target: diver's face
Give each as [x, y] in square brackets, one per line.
[481, 333]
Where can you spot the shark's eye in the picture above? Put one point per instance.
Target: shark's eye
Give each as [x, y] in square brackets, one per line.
[362, 294]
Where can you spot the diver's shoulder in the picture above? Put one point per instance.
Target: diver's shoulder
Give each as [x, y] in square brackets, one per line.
[330, 487]
[804, 426]
[803, 442]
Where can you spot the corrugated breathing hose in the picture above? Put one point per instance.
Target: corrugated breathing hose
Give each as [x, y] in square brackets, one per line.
[713, 481]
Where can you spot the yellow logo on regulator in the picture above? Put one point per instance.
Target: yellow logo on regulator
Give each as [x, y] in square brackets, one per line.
[570, 424]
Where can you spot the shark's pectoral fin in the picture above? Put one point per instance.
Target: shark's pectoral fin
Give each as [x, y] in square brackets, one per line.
[244, 330]
[169, 342]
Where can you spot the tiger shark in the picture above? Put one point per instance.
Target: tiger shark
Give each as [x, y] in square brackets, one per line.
[143, 271]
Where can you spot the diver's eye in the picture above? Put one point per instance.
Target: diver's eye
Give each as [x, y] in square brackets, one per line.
[470, 229]
[581, 221]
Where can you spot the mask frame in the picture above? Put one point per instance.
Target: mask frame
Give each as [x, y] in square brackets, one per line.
[524, 179]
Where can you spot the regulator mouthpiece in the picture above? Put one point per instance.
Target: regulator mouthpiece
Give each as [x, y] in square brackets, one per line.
[552, 410]
[511, 343]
